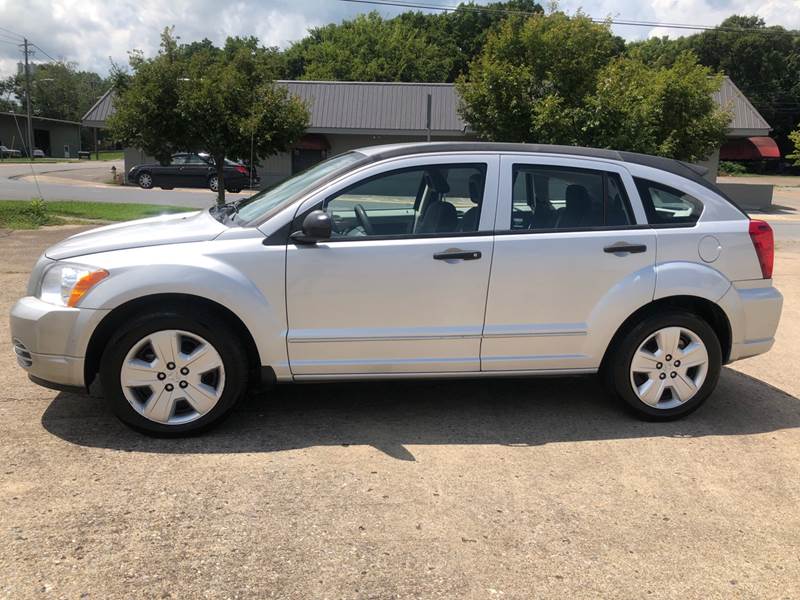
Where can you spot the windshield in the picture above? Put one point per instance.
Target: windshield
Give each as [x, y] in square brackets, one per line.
[267, 201]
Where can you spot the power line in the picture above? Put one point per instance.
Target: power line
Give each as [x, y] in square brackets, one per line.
[5, 37]
[14, 33]
[508, 11]
[38, 47]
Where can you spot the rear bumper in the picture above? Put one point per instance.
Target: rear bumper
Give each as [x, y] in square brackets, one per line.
[754, 311]
[50, 341]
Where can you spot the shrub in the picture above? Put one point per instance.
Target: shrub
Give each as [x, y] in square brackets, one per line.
[731, 168]
[37, 212]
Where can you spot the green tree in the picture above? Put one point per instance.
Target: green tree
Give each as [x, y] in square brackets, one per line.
[58, 90]
[7, 99]
[764, 62]
[221, 100]
[667, 111]
[794, 138]
[563, 80]
[533, 76]
[370, 48]
[147, 114]
[469, 28]
[412, 46]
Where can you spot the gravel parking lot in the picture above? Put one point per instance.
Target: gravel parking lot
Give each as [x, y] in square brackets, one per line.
[469, 489]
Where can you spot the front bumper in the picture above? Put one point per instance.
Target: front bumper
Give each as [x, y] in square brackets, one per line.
[754, 310]
[50, 341]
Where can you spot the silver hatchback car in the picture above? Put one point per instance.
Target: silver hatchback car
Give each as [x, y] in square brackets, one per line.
[413, 260]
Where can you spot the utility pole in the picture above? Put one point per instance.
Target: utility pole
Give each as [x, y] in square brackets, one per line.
[28, 99]
[428, 119]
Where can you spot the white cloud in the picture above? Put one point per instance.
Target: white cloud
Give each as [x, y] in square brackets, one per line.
[90, 32]
[693, 12]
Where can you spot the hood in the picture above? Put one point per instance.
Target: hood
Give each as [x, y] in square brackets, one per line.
[154, 231]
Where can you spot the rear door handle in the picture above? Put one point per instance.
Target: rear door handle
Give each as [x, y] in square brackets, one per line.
[623, 248]
[457, 254]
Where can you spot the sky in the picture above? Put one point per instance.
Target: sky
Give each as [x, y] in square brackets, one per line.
[94, 32]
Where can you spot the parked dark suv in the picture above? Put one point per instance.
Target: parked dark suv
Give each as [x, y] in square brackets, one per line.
[190, 169]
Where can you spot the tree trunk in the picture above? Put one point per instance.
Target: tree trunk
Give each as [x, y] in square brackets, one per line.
[220, 162]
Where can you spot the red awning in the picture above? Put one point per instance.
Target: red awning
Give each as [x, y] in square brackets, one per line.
[313, 141]
[754, 148]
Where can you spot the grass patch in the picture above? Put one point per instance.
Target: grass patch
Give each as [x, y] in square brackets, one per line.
[109, 155]
[19, 214]
[104, 155]
[37, 160]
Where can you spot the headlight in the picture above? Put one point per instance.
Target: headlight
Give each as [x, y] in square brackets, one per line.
[65, 284]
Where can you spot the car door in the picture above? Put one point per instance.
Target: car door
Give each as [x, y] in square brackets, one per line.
[194, 172]
[169, 175]
[405, 291]
[573, 257]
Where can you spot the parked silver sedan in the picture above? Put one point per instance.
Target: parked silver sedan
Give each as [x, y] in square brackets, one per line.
[409, 261]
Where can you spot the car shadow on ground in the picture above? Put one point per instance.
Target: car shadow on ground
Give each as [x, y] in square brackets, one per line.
[779, 209]
[391, 416]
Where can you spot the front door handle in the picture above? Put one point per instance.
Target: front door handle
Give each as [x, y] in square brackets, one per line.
[624, 248]
[457, 254]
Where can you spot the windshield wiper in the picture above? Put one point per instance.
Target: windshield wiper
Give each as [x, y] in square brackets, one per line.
[226, 211]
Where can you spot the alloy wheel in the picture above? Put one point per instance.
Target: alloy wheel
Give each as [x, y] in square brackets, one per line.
[145, 180]
[172, 377]
[213, 183]
[669, 367]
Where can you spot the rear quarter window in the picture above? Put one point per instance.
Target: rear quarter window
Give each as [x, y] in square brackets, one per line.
[667, 206]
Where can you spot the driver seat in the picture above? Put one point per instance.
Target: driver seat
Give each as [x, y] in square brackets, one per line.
[439, 216]
[469, 222]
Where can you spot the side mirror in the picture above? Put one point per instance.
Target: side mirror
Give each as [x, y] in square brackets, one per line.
[316, 228]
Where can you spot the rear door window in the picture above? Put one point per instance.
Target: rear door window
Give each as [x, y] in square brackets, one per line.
[551, 197]
[667, 206]
[196, 161]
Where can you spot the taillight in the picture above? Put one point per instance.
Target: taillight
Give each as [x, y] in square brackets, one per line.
[764, 243]
[241, 169]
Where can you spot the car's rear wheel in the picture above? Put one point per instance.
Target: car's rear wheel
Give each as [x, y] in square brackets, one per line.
[213, 183]
[167, 374]
[234, 190]
[145, 180]
[667, 366]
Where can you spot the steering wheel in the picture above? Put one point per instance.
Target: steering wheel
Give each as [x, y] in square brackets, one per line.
[363, 219]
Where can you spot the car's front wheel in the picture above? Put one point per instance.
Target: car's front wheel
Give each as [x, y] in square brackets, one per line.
[145, 180]
[167, 374]
[213, 183]
[667, 365]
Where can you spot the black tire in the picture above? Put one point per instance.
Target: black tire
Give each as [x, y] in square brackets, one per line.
[213, 183]
[207, 326]
[617, 373]
[145, 180]
[234, 190]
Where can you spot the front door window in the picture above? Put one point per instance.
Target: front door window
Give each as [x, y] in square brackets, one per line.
[429, 200]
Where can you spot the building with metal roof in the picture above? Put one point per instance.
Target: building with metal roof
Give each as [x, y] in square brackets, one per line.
[57, 138]
[100, 111]
[346, 115]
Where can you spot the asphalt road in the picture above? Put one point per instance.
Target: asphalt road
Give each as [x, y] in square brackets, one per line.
[459, 489]
[784, 230]
[17, 182]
